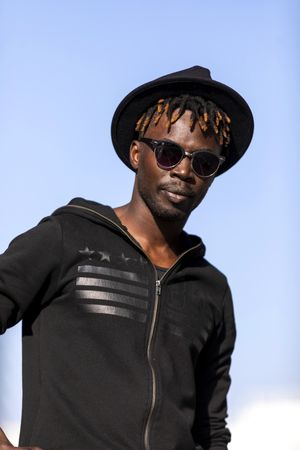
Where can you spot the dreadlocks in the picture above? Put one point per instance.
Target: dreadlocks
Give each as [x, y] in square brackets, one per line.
[208, 115]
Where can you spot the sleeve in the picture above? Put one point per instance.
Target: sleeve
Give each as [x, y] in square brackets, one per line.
[28, 271]
[213, 381]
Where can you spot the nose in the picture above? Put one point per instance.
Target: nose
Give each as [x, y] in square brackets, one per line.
[183, 170]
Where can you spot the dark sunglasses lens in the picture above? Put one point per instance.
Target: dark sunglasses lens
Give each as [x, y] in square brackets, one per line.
[205, 164]
[168, 154]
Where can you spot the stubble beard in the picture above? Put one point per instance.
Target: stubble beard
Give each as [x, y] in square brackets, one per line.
[159, 210]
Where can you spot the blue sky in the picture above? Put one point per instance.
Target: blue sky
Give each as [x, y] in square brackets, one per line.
[65, 65]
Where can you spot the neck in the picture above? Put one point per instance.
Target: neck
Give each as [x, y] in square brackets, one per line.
[160, 239]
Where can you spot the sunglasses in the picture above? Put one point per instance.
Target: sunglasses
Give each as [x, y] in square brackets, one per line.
[168, 155]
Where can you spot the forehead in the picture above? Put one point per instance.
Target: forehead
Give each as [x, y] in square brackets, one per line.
[180, 132]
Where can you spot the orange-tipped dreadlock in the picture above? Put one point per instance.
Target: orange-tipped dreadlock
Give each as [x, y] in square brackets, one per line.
[208, 115]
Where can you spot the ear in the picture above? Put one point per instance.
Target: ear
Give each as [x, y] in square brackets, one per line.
[134, 154]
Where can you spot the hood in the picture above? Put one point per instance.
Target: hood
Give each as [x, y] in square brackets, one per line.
[105, 214]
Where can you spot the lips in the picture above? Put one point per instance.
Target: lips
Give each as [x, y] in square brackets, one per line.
[176, 195]
[177, 191]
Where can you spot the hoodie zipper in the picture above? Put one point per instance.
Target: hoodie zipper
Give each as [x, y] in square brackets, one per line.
[149, 358]
[158, 287]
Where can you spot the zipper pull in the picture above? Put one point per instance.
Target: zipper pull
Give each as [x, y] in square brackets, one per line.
[158, 287]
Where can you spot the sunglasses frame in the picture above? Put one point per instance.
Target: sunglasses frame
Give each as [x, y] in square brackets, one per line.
[153, 143]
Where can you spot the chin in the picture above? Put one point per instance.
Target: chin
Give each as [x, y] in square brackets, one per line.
[162, 209]
[171, 214]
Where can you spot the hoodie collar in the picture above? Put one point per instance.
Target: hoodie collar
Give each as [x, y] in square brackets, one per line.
[104, 213]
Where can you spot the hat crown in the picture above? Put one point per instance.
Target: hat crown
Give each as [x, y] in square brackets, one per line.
[196, 72]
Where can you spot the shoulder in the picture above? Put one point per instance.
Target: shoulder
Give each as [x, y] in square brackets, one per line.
[47, 231]
[196, 261]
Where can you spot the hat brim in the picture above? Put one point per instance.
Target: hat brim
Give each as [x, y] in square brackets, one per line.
[136, 102]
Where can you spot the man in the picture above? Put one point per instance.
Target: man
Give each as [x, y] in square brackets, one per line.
[127, 330]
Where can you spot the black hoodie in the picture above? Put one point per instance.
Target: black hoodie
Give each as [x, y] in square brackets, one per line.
[113, 358]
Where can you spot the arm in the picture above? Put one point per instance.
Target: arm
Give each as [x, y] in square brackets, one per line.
[213, 381]
[28, 276]
[28, 271]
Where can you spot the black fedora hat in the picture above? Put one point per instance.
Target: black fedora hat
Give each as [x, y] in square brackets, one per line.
[194, 81]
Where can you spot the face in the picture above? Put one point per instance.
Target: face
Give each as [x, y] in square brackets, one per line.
[171, 194]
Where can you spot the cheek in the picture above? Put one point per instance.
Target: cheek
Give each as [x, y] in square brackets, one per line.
[148, 169]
